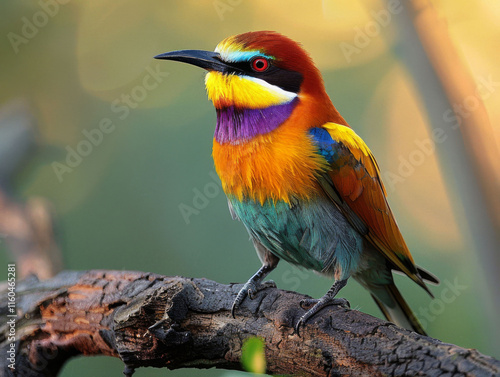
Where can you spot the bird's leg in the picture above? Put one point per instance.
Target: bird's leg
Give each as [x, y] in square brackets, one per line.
[253, 285]
[316, 305]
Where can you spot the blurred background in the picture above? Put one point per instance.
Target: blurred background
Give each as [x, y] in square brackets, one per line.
[122, 146]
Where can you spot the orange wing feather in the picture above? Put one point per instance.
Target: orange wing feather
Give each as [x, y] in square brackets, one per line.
[356, 178]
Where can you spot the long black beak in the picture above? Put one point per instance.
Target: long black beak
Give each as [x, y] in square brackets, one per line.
[205, 59]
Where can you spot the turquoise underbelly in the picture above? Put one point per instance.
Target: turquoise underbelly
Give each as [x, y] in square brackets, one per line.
[312, 234]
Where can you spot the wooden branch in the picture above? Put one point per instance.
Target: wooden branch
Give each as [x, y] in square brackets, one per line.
[174, 322]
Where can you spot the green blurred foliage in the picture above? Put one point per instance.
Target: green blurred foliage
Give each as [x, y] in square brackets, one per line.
[253, 357]
[119, 208]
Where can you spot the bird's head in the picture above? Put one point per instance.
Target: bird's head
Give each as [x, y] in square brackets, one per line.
[255, 70]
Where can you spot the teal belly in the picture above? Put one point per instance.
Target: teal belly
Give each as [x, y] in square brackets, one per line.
[312, 234]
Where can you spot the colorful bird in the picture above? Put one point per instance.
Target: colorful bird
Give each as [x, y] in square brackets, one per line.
[304, 184]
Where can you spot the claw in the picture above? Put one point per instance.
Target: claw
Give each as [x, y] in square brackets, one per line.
[317, 306]
[297, 327]
[250, 289]
[308, 303]
[233, 309]
[343, 303]
[268, 284]
[253, 285]
[250, 294]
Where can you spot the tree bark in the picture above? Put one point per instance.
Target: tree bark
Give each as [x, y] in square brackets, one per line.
[174, 322]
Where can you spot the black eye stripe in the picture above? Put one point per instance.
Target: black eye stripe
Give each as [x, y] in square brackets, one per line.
[286, 80]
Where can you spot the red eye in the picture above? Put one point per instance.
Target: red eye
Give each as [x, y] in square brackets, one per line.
[260, 64]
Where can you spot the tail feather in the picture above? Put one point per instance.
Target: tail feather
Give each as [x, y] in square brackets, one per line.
[428, 276]
[424, 274]
[395, 308]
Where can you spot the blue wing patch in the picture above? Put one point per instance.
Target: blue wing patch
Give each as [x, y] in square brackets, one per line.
[327, 147]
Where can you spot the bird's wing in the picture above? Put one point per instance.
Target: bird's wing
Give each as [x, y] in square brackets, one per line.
[353, 183]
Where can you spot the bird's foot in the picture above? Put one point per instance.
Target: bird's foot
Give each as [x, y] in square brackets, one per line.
[313, 306]
[250, 289]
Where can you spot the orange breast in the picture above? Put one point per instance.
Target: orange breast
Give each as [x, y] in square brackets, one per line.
[275, 166]
[280, 164]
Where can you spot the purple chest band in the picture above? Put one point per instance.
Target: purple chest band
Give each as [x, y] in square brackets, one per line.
[237, 125]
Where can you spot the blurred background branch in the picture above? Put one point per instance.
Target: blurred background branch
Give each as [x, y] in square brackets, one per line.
[470, 156]
[26, 228]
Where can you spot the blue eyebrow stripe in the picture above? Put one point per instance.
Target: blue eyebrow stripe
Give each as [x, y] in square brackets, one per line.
[243, 56]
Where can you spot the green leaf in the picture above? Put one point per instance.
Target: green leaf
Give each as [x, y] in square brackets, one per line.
[253, 357]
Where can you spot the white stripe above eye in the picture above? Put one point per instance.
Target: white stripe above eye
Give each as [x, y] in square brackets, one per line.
[272, 88]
